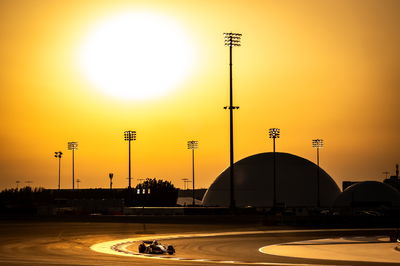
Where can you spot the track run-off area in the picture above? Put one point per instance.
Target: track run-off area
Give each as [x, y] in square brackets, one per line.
[114, 244]
[375, 249]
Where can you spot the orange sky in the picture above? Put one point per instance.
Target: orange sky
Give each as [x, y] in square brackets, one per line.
[315, 69]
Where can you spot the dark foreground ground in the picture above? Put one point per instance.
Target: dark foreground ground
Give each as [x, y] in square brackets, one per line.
[61, 242]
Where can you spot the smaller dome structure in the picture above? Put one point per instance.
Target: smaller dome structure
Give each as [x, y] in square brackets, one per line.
[368, 194]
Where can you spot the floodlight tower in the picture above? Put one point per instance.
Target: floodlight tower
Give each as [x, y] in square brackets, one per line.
[185, 181]
[111, 175]
[73, 145]
[318, 143]
[231, 40]
[274, 133]
[129, 136]
[58, 154]
[192, 145]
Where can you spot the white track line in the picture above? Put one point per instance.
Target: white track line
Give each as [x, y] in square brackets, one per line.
[119, 247]
[375, 249]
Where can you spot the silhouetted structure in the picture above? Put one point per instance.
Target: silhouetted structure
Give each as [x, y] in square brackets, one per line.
[58, 155]
[199, 193]
[318, 143]
[153, 192]
[394, 180]
[111, 175]
[129, 136]
[28, 201]
[346, 184]
[231, 40]
[73, 145]
[368, 195]
[192, 145]
[295, 183]
[185, 183]
[274, 133]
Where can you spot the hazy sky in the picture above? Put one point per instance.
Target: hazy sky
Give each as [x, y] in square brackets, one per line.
[314, 69]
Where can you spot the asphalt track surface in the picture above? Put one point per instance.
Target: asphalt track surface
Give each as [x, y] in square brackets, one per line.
[60, 243]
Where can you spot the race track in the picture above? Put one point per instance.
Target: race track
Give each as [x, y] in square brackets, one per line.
[70, 244]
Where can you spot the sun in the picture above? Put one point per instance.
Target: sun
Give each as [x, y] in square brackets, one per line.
[136, 55]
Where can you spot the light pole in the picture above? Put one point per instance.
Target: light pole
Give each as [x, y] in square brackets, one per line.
[73, 145]
[111, 175]
[58, 154]
[185, 182]
[274, 133]
[231, 40]
[192, 145]
[129, 136]
[386, 173]
[318, 143]
[17, 182]
[77, 182]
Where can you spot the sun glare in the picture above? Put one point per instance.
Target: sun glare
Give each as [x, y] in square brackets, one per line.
[136, 55]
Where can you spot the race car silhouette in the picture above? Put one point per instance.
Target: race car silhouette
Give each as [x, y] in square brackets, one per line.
[155, 247]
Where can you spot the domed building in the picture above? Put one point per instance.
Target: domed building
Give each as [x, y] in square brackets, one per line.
[296, 183]
[368, 194]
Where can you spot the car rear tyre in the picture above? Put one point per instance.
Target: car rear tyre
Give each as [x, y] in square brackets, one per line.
[142, 248]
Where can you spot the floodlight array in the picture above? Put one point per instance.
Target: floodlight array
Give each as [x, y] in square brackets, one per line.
[130, 135]
[193, 144]
[73, 145]
[274, 133]
[232, 39]
[58, 154]
[231, 107]
[317, 143]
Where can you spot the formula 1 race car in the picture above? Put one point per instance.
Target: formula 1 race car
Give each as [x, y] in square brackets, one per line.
[155, 247]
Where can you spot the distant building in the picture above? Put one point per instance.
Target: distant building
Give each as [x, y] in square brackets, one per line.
[187, 201]
[296, 183]
[185, 196]
[346, 184]
[394, 180]
[368, 194]
[198, 193]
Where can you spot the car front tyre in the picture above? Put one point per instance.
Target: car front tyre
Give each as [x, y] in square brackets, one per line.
[170, 250]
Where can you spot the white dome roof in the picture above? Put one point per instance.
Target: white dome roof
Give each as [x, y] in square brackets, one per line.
[368, 193]
[296, 183]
